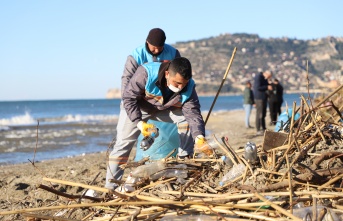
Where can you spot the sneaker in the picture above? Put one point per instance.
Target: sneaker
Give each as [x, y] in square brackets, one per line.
[259, 133]
[91, 193]
[119, 192]
[126, 188]
[183, 157]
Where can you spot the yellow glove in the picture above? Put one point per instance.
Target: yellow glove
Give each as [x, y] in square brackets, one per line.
[147, 129]
[202, 145]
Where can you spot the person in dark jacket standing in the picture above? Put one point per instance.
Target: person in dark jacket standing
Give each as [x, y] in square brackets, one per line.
[248, 103]
[163, 92]
[279, 95]
[275, 100]
[261, 86]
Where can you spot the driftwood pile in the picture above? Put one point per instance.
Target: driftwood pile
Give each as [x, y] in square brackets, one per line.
[298, 176]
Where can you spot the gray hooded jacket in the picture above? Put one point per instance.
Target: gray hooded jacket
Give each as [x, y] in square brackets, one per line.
[135, 99]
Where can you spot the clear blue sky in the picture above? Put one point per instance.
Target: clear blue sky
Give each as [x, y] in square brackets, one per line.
[76, 49]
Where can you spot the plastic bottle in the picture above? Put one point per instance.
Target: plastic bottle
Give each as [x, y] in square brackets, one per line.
[147, 141]
[200, 156]
[250, 153]
[129, 185]
[306, 213]
[227, 161]
[144, 171]
[207, 147]
[178, 171]
[234, 172]
[340, 131]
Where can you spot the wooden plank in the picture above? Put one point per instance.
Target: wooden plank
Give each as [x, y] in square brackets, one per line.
[273, 139]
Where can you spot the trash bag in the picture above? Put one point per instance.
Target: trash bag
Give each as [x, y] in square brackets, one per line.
[284, 120]
[167, 140]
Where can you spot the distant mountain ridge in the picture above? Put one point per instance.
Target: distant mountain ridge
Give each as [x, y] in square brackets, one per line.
[287, 58]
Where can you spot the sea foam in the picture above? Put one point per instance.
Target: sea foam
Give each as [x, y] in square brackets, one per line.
[25, 119]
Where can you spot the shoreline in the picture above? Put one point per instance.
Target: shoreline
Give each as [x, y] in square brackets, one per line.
[29, 154]
[215, 125]
[312, 91]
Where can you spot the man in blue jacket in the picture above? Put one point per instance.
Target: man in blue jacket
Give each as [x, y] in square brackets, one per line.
[161, 91]
[154, 49]
[261, 86]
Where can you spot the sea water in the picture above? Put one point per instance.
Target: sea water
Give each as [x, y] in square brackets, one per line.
[61, 128]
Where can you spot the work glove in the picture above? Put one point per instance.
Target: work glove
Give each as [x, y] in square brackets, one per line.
[202, 145]
[147, 129]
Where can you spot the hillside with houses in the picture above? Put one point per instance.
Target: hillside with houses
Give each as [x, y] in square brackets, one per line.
[316, 64]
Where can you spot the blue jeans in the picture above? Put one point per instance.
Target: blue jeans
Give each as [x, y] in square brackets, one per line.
[247, 109]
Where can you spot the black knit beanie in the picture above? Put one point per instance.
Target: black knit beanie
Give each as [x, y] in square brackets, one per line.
[156, 37]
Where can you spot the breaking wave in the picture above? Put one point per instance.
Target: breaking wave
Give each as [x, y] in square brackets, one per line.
[27, 120]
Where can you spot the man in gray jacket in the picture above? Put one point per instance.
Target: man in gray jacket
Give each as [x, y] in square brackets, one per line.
[162, 92]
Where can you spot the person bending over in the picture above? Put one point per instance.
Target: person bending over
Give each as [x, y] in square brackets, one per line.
[161, 92]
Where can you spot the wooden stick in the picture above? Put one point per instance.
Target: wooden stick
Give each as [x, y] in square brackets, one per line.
[230, 196]
[268, 171]
[278, 208]
[233, 152]
[314, 208]
[290, 185]
[300, 120]
[292, 124]
[314, 119]
[104, 190]
[206, 160]
[330, 95]
[156, 183]
[283, 147]
[333, 180]
[249, 167]
[221, 85]
[41, 186]
[256, 216]
[40, 216]
[225, 150]
[157, 201]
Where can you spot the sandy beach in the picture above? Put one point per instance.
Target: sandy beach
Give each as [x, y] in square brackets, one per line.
[19, 183]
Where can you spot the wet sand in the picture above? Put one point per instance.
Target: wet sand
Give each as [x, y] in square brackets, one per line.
[19, 182]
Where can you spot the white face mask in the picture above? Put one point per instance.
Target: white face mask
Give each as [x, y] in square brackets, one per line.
[173, 88]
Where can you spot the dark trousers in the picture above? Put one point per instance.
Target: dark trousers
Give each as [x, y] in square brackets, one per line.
[261, 111]
[279, 105]
[273, 111]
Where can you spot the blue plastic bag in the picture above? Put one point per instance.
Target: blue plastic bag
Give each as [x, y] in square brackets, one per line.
[284, 119]
[167, 140]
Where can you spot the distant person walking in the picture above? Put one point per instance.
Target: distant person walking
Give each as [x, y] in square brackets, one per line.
[248, 103]
[261, 86]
